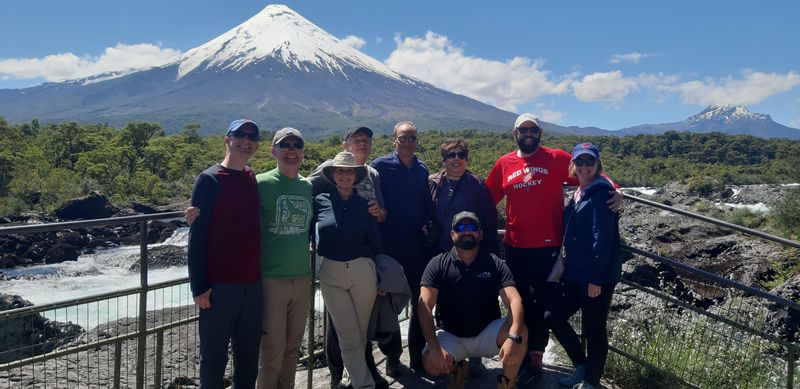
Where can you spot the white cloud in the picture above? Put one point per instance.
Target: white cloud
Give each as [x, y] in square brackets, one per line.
[506, 84]
[551, 116]
[752, 88]
[378, 40]
[64, 66]
[354, 41]
[629, 57]
[605, 87]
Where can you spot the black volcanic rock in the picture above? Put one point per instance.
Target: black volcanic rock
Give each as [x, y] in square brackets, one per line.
[28, 335]
[93, 206]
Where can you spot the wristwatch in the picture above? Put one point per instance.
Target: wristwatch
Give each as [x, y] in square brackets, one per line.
[516, 338]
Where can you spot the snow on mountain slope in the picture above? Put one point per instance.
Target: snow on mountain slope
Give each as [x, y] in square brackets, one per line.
[279, 32]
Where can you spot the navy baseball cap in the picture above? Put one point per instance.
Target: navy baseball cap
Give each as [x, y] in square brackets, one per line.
[246, 126]
[585, 148]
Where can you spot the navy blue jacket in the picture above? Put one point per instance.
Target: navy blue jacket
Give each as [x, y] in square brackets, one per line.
[591, 237]
[471, 196]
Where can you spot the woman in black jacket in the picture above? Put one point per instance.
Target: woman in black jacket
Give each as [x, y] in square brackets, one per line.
[592, 269]
[455, 189]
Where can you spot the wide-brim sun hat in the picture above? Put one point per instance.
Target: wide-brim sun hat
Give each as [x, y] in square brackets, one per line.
[345, 159]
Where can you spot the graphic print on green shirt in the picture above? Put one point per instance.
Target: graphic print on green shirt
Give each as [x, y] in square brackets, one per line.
[285, 214]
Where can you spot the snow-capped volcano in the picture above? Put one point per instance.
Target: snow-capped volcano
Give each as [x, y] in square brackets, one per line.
[727, 114]
[729, 119]
[279, 32]
[276, 68]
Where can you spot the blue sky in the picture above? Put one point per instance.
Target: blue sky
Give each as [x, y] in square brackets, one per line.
[608, 64]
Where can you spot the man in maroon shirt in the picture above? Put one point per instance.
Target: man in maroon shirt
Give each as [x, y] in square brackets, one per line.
[224, 261]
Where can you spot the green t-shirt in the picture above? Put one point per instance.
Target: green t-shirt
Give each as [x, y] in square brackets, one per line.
[285, 214]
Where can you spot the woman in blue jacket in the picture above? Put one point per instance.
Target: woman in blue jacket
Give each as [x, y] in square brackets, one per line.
[591, 241]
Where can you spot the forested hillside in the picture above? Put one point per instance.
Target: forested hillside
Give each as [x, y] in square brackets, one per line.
[43, 166]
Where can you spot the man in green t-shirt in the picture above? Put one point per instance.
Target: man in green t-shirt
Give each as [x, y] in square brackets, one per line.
[285, 215]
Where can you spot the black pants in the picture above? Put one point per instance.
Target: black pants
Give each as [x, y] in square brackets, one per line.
[530, 268]
[234, 318]
[569, 298]
[392, 348]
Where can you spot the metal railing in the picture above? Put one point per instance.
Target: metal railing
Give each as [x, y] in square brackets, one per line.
[684, 325]
[693, 328]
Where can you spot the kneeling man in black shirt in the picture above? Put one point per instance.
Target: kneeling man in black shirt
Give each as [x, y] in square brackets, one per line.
[463, 284]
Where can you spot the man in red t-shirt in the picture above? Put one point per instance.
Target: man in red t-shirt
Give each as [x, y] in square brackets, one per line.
[531, 179]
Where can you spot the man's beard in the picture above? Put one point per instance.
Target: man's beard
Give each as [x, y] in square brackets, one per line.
[466, 242]
[524, 147]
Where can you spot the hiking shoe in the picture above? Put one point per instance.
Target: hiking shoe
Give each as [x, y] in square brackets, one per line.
[458, 379]
[393, 368]
[476, 367]
[380, 382]
[584, 385]
[504, 382]
[575, 378]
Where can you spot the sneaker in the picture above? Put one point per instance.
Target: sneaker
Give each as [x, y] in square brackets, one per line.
[476, 367]
[575, 378]
[459, 378]
[336, 380]
[381, 383]
[504, 383]
[584, 385]
[393, 368]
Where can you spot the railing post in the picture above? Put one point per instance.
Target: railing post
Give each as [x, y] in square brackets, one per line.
[141, 348]
[117, 364]
[311, 315]
[159, 358]
[790, 369]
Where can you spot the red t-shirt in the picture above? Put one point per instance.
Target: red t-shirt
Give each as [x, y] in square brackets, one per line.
[533, 188]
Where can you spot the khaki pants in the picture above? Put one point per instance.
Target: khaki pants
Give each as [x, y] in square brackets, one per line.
[285, 313]
[349, 290]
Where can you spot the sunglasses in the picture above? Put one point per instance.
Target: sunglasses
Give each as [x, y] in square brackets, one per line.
[525, 130]
[295, 145]
[453, 154]
[254, 136]
[404, 139]
[584, 162]
[471, 227]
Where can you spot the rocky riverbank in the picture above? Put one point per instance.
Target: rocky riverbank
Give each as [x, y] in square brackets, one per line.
[54, 247]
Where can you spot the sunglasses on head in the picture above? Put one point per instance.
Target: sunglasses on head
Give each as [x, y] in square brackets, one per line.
[525, 130]
[404, 138]
[471, 227]
[298, 145]
[584, 161]
[253, 135]
[453, 154]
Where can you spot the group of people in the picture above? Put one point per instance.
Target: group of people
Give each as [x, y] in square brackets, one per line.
[389, 232]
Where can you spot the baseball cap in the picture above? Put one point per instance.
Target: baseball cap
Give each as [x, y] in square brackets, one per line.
[526, 117]
[585, 148]
[244, 125]
[286, 132]
[352, 130]
[464, 215]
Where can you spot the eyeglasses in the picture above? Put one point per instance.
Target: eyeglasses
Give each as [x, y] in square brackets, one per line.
[404, 138]
[295, 145]
[525, 130]
[254, 136]
[367, 141]
[453, 154]
[471, 227]
[584, 162]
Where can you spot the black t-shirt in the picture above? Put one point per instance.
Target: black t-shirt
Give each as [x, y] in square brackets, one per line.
[467, 300]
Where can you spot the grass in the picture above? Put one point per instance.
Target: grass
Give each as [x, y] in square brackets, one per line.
[694, 347]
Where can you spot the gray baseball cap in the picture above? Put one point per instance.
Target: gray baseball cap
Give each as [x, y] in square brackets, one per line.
[286, 132]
